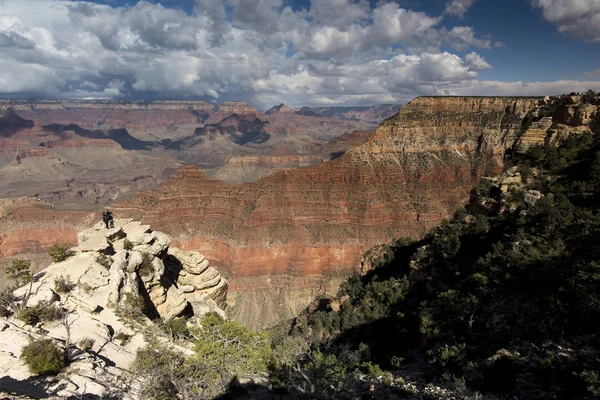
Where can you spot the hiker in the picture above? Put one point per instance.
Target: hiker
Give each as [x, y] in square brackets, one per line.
[108, 219]
[105, 218]
[111, 222]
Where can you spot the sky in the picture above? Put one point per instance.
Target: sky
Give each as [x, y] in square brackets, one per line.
[297, 52]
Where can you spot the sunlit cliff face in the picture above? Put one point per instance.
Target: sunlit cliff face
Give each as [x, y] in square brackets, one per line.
[277, 236]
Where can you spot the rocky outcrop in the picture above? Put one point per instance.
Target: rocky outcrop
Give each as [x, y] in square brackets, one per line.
[174, 280]
[107, 266]
[282, 108]
[377, 112]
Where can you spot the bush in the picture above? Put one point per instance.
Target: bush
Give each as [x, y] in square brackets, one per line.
[63, 284]
[176, 328]
[42, 312]
[7, 300]
[104, 260]
[132, 307]
[85, 343]
[42, 357]
[59, 253]
[127, 245]
[146, 268]
[19, 271]
[123, 338]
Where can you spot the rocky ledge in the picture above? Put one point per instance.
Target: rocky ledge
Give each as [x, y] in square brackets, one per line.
[103, 272]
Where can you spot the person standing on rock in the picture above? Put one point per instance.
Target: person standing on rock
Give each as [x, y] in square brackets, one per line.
[105, 218]
[109, 217]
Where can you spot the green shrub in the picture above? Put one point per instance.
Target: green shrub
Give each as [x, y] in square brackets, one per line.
[127, 245]
[176, 328]
[132, 307]
[42, 357]
[104, 260]
[146, 268]
[19, 271]
[42, 312]
[85, 343]
[123, 338]
[7, 300]
[224, 350]
[63, 284]
[59, 253]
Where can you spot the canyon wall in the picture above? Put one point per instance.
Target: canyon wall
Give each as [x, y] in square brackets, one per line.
[295, 233]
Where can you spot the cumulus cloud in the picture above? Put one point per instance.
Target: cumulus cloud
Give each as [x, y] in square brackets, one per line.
[463, 37]
[577, 18]
[459, 8]
[476, 62]
[261, 51]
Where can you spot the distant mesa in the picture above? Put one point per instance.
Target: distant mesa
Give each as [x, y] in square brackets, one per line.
[238, 107]
[282, 108]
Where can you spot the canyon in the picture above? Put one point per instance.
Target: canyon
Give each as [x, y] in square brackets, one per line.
[293, 234]
[61, 159]
[85, 153]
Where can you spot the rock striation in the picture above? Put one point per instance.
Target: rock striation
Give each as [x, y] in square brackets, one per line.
[282, 236]
[105, 268]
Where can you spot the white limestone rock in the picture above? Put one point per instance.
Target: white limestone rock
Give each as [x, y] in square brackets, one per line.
[180, 280]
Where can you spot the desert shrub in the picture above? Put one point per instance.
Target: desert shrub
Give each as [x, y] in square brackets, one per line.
[42, 357]
[224, 350]
[104, 260]
[59, 253]
[63, 284]
[85, 343]
[123, 338]
[19, 271]
[41, 312]
[240, 351]
[146, 268]
[132, 307]
[7, 300]
[176, 328]
[127, 245]
[169, 373]
[87, 288]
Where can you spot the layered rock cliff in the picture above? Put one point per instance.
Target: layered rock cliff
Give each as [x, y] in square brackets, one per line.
[278, 237]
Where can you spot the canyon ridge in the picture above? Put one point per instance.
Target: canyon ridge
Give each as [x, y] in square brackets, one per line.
[294, 234]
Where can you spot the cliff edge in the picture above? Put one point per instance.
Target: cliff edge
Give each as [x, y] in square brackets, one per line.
[97, 305]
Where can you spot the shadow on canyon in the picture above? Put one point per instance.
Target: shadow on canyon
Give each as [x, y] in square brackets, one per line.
[37, 388]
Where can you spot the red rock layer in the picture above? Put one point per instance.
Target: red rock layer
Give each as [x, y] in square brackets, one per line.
[414, 172]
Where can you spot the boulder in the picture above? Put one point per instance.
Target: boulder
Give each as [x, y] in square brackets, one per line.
[531, 197]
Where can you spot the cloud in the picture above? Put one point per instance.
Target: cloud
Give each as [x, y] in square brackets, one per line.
[463, 37]
[496, 88]
[260, 51]
[476, 62]
[145, 26]
[339, 13]
[595, 73]
[577, 18]
[459, 8]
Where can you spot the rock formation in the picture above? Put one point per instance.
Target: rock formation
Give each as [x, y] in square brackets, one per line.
[106, 267]
[287, 236]
[282, 108]
[292, 235]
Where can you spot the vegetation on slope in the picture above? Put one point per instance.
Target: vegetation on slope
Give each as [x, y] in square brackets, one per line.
[504, 298]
